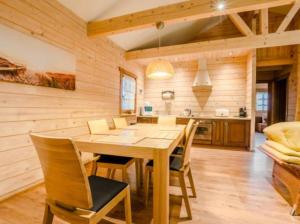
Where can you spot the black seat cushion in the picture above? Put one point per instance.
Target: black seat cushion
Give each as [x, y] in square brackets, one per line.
[114, 159]
[104, 190]
[175, 163]
[178, 150]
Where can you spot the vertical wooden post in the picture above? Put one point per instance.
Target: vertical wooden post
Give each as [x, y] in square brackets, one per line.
[297, 70]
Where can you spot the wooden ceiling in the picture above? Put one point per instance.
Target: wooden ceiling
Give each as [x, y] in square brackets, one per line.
[250, 24]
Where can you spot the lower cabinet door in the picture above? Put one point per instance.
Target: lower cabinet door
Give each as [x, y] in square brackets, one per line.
[217, 132]
[236, 133]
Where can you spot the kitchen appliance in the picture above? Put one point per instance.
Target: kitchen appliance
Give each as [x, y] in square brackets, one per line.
[147, 109]
[203, 134]
[222, 112]
[243, 112]
[202, 80]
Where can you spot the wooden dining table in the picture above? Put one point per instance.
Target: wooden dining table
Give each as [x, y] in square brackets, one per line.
[144, 141]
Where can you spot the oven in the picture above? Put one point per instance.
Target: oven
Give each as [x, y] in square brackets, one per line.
[203, 133]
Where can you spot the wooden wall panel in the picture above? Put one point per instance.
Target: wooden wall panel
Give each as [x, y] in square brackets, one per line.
[229, 88]
[56, 112]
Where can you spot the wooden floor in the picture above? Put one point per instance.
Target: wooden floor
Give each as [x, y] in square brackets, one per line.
[233, 187]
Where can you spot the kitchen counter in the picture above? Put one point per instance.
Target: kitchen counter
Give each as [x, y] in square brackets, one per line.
[203, 117]
[218, 131]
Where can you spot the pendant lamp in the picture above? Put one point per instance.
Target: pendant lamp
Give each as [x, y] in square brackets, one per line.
[159, 68]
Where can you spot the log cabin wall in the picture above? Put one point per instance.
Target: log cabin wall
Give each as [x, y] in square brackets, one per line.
[228, 77]
[26, 108]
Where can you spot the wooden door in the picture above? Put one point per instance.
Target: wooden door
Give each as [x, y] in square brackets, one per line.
[217, 132]
[236, 133]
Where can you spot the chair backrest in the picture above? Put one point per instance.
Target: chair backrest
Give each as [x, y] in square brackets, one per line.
[188, 129]
[98, 126]
[188, 144]
[120, 122]
[65, 177]
[166, 120]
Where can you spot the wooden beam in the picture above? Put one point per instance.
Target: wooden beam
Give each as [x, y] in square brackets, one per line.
[264, 21]
[238, 43]
[275, 62]
[174, 13]
[240, 24]
[288, 18]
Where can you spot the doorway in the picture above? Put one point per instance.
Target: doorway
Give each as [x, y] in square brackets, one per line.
[280, 100]
[271, 97]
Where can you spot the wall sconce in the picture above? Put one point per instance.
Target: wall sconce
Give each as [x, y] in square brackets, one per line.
[167, 95]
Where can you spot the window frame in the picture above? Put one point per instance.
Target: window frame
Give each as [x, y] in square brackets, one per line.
[267, 99]
[124, 72]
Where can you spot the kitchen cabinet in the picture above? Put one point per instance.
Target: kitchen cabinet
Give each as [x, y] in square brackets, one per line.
[224, 132]
[149, 120]
[236, 133]
[217, 132]
[182, 120]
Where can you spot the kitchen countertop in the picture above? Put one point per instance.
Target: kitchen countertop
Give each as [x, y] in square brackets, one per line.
[204, 117]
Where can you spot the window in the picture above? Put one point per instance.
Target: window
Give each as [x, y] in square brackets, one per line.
[261, 101]
[128, 92]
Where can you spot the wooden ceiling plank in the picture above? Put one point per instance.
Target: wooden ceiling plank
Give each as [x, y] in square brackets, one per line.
[264, 21]
[238, 43]
[275, 62]
[174, 13]
[240, 24]
[288, 18]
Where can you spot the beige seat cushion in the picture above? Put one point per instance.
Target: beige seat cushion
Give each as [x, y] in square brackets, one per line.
[281, 156]
[281, 148]
[285, 133]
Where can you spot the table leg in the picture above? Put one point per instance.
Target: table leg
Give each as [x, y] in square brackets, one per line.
[161, 187]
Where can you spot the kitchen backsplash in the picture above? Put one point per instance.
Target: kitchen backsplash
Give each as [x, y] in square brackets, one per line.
[228, 77]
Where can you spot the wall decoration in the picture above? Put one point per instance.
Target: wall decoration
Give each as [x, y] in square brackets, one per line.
[12, 72]
[28, 60]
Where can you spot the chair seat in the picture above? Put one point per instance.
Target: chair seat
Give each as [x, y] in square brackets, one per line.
[175, 163]
[178, 150]
[114, 159]
[104, 190]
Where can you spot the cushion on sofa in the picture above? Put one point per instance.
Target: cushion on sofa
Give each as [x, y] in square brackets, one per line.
[281, 156]
[282, 149]
[285, 133]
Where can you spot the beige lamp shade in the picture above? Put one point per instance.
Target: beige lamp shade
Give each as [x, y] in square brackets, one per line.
[160, 69]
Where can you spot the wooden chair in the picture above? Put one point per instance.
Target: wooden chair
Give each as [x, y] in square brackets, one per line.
[71, 195]
[108, 161]
[166, 120]
[179, 167]
[120, 122]
[178, 151]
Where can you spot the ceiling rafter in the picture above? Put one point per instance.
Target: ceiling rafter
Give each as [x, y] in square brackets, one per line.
[288, 18]
[264, 21]
[240, 24]
[174, 13]
[238, 43]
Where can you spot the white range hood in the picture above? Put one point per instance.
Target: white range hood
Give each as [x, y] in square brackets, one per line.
[202, 80]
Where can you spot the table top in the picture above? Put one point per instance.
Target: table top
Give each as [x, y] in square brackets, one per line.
[139, 136]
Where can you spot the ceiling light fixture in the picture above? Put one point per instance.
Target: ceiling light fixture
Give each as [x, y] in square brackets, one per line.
[219, 5]
[160, 68]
